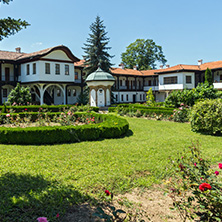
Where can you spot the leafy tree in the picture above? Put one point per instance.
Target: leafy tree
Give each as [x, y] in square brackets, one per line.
[9, 26]
[19, 95]
[96, 49]
[208, 77]
[144, 54]
[150, 100]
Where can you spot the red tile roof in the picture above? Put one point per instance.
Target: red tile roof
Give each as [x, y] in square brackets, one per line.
[15, 56]
[121, 71]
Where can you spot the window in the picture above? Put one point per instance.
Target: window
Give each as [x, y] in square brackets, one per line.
[34, 68]
[58, 92]
[74, 92]
[69, 92]
[66, 69]
[57, 69]
[28, 69]
[47, 68]
[170, 80]
[76, 75]
[122, 97]
[188, 79]
[121, 82]
[5, 93]
[116, 97]
[140, 97]
[149, 83]
[143, 96]
[127, 97]
[220, 77]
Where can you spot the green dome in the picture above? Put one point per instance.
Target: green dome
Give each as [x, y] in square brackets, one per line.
[100, 75]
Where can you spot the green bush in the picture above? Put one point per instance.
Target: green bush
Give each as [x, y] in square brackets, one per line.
[190, 96]
[181, 114]
[107, 126]
[206, 117]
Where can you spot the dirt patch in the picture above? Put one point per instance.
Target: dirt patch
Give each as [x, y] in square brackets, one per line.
[140, 204]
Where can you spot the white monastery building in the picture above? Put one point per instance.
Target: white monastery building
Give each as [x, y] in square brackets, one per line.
[55, 76]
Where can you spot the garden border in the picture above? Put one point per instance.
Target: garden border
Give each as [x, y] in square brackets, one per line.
[109, 126]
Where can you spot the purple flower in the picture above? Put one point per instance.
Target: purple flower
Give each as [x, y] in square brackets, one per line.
[42, 219]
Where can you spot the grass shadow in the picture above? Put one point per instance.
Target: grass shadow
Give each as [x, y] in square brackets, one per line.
[24, 198]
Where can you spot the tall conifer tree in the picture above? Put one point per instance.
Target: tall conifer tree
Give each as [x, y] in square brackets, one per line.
[96, 49]
[208, 77]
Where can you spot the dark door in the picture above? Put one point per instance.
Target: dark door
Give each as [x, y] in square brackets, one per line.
[134, 98]
[7, 74]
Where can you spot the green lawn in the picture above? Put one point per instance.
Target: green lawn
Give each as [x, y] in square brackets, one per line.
[46, 180]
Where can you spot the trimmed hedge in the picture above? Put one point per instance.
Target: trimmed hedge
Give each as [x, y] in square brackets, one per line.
[142, 106]
[51, 108]
[108, 126]
[143, 110]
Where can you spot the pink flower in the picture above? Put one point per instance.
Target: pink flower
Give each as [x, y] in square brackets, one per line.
[217, 173]
[201, 159]
[57, 215]
[181, 157]
[180, 108]
[195, 164]
[107, 193]
[220, 165]
[8, 115]
[42, 219]
[182, 104]
[88, 121]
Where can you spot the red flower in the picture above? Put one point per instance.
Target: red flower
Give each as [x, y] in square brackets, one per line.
[217, 173]
[57, 215]
[195, 164]
[107, 193]
[205, 186]
[220, 165]
[25, 109]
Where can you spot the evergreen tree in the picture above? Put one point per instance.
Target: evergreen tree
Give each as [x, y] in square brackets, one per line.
[208, 77]
[96, 49]
[9, 26]
[19, 95]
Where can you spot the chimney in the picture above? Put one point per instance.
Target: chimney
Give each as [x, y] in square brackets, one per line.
[135, 67]
[121, 66]
[161, 66]
[18, 49]
[167, 66]
[200, 62]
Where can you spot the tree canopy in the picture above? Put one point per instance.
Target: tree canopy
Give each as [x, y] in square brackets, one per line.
[96, 49]
[144, 54]
[9, 26]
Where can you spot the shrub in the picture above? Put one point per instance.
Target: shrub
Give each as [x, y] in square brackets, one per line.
[19, 95]
[181, 114]
[190, 96]
[206, 117]
[194, 187]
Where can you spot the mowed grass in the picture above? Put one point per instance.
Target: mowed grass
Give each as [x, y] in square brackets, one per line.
[46, 180]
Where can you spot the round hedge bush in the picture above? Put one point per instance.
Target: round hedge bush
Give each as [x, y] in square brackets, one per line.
[108, 126]
[206, 117]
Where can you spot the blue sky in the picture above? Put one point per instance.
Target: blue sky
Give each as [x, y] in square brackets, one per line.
[187, 30]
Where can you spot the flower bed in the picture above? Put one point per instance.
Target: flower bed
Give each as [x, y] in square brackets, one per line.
[105, 126]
